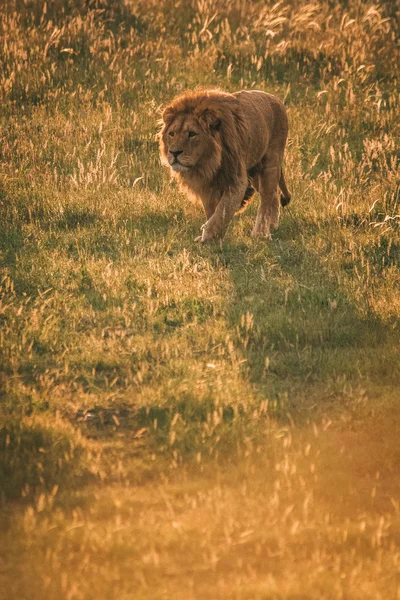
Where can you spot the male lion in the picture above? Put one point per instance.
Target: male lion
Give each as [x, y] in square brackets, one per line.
[222, 146]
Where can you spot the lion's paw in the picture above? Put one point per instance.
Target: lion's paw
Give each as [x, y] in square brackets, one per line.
[261, 232]
[206, 236]
[203, 239]
[212, 231]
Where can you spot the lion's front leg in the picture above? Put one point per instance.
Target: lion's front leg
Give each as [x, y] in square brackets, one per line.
[210, 201]
[218, 223]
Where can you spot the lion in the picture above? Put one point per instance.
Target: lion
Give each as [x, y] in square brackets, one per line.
[223, 147]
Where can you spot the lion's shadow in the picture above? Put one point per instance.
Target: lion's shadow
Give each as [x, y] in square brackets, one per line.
[306, 330]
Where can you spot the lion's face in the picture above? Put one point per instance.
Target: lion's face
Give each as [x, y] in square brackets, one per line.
[185, 142]
[190, 141]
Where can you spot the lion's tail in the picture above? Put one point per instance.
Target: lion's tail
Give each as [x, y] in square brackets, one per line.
[285, 196]
[249, 193]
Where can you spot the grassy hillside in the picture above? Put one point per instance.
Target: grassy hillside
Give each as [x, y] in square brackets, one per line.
[183, 421]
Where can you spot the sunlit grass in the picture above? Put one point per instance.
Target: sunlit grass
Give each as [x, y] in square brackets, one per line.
[197, 422]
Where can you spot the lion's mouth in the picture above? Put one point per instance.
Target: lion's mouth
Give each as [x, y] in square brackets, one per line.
[179, 167]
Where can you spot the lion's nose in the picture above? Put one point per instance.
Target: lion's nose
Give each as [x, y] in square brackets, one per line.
[176, 153]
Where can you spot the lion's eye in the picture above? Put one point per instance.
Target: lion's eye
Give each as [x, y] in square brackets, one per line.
[192, 134]
[172, 133]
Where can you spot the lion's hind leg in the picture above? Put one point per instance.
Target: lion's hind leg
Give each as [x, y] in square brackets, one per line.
[268, 211]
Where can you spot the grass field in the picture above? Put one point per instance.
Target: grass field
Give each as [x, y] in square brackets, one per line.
[194, 422]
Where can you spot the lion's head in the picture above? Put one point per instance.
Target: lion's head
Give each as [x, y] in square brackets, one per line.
[193, 130]
[186, 141]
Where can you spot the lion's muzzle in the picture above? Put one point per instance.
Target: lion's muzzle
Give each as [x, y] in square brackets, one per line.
[175, 163]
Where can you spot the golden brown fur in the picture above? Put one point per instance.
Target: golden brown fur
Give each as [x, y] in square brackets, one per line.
[221, 146]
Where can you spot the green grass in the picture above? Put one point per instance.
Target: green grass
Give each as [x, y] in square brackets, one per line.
[190, 422]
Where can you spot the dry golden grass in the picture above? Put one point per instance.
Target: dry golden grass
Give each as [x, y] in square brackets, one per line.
[197, 422]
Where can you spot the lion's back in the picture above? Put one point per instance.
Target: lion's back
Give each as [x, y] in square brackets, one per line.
[265, 117]
[261, 107]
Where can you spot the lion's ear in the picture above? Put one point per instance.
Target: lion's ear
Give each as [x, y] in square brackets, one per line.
[168, 115]
[212, 120]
